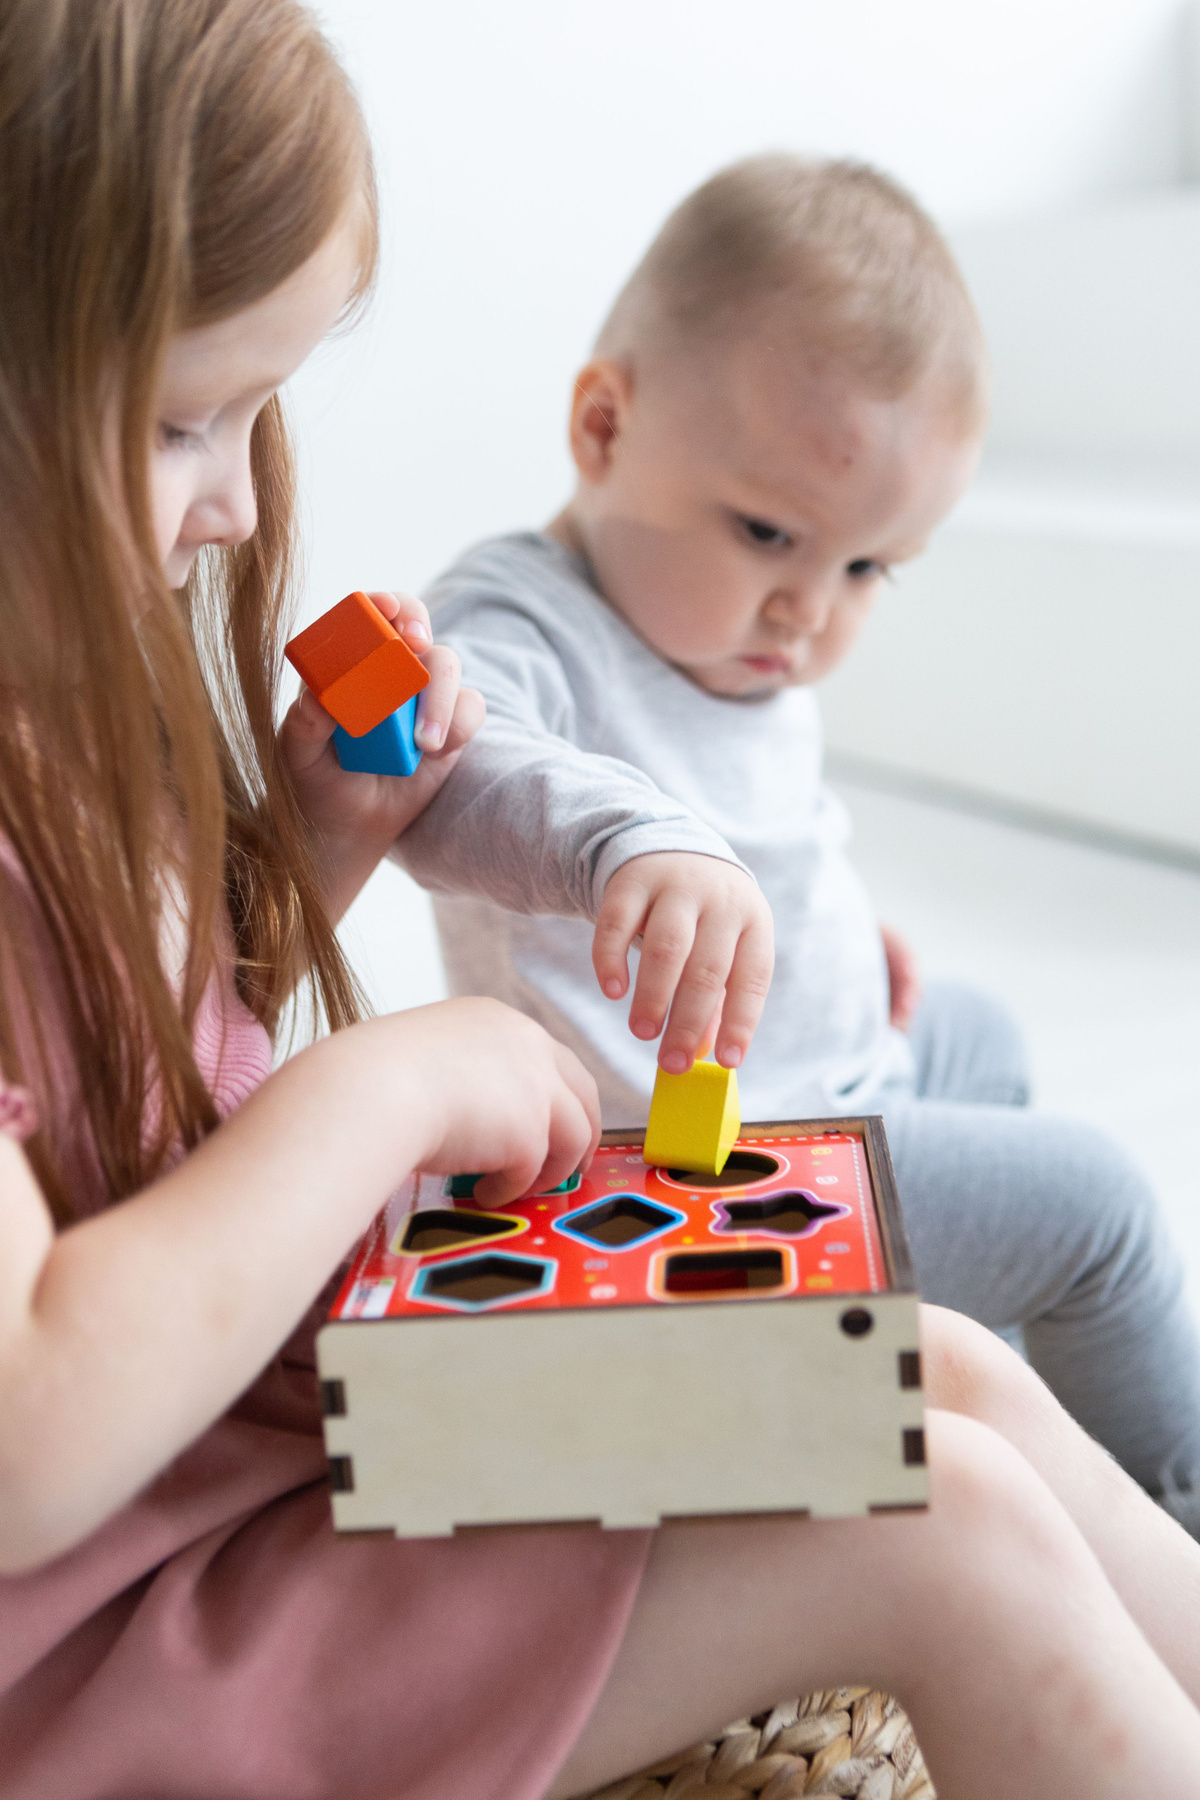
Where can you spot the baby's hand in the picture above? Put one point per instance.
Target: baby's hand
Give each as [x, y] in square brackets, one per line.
[502, 1097]
[903, 978]
[356, 818]
[708, 951]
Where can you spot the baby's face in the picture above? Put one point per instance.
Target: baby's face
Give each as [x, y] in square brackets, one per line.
[741, 517]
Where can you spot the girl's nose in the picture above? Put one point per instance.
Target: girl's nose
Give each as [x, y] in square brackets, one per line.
[228, 510]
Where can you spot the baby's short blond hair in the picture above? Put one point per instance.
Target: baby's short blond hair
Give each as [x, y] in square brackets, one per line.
[864, 277]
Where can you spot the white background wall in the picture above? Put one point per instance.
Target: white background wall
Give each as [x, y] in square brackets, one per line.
[527, 151]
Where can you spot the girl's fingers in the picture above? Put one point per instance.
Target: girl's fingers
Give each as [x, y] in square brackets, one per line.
[699, 990]
[409, 616]
[435, 707]
[470, 710]
[306, 731]
[667, 938]
[746, 991]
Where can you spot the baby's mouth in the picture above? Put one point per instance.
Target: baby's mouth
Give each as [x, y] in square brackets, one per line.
[768, 665]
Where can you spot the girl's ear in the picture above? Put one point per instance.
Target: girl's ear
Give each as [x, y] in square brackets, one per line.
[602, 397]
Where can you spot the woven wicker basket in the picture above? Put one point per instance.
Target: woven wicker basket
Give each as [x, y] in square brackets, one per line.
[848, 1741]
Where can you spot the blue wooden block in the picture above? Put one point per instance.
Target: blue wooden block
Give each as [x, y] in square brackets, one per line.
[388, 750]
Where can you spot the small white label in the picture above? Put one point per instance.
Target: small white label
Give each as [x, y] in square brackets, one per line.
[826, 1180]
[369, 1299]
[603, 1292]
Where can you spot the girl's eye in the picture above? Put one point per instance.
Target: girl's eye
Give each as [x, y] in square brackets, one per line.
[866, 568]
[174, 437]
[763, 532]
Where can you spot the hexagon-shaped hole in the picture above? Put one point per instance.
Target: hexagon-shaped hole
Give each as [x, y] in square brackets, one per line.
[790, 1214]
[722, 1271]
[445, 1228]
[742, 1169]
[481, 1280]
[620, 1221]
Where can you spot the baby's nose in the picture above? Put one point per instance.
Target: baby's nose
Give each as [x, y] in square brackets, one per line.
[801, 610]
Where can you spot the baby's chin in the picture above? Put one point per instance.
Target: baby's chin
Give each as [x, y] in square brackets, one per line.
[744, 678]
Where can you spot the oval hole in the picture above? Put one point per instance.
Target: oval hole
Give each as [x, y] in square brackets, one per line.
[743, 1169]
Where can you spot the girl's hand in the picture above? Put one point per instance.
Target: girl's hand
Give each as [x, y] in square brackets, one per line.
[503, 1097]
[708, 952]
[903, 976]
[355, 819]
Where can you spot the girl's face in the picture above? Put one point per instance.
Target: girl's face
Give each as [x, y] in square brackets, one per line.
[216, 381]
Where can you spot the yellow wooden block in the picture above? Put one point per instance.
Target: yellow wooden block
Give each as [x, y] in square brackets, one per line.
[694, 1119]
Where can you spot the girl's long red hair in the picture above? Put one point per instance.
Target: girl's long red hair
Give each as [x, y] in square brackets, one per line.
[163, 163]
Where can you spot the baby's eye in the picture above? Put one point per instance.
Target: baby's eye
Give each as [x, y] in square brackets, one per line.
[866, 568]
[763, 532]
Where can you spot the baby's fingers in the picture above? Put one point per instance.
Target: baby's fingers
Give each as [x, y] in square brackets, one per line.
[700, 989]
[618, 923]
[667, 939]
[746, 990]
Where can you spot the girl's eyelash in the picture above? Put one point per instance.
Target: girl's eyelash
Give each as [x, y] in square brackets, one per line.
[174, 436]
[763, 532]
[863, 567]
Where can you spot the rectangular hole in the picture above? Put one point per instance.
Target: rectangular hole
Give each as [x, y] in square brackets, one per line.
[341, 1474]
[333, 1399]
[910, 1368]
[722, 1271]
[914, 1447]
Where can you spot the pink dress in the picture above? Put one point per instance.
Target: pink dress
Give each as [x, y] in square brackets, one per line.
[216, 1641]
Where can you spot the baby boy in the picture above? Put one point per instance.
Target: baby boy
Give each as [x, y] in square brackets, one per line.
[786, 398]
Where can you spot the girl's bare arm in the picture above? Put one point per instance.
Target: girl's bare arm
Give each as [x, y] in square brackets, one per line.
[124, 1337]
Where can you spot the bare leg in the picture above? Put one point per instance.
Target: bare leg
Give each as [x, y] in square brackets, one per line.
[1151, 1561]
[988, 1616]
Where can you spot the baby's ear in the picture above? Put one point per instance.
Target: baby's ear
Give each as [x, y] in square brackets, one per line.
[603, 391]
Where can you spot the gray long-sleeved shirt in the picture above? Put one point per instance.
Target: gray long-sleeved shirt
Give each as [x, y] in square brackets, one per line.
[595, 750]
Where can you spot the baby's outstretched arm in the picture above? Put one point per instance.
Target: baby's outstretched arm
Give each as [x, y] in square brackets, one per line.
[707, 951]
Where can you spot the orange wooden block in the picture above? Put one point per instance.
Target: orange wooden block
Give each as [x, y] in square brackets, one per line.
[356, 664]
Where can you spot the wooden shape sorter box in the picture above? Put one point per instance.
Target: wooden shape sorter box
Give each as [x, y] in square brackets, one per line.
[641, 1344]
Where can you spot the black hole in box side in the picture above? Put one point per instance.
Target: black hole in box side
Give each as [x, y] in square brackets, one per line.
[333, 1399]
[791, 1213]
[482, 1278]
[857, 1322]
[722, 1271]
[626, 1219]
[462, 1187]
[741, 1168]
[341, 1474]
[910, 1368]
[439, 1227]
[914, 1447]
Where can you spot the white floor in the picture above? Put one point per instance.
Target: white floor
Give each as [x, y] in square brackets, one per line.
[1098, 955]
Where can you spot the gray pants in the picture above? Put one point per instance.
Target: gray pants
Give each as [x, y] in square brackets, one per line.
[1021, 1218]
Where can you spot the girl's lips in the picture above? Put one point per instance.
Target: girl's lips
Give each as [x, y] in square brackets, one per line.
[768, 665]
